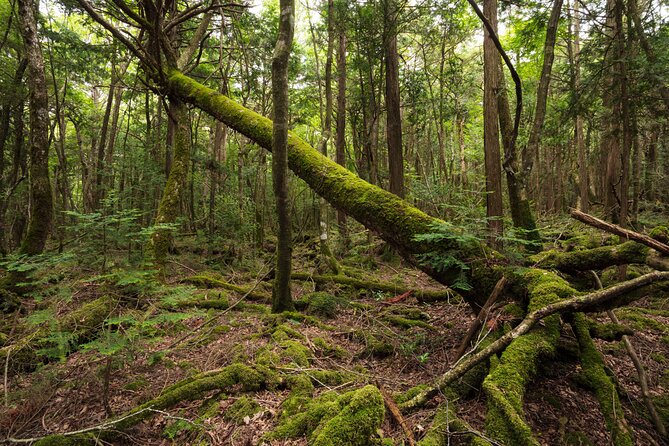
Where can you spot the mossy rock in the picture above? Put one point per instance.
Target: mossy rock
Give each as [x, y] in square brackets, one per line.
[322, 304]
[296, 353]
[350, 419]
[328, 349]
[242, 408]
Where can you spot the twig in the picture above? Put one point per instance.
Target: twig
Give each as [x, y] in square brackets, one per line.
[100, 427]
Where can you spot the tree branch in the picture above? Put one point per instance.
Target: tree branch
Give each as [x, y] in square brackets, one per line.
[618, 230]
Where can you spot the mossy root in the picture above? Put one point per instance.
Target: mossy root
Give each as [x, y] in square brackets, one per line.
[594, 377]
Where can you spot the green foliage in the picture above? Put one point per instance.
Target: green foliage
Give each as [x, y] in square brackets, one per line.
[450, 242]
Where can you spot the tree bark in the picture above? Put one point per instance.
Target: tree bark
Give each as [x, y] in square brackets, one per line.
[531, 152]
[40, 186]
[583, 187]
[281, 296]
[393, 113]
[340, 137]
[493, 167]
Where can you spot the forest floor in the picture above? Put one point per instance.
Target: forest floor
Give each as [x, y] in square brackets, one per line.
[147, 345]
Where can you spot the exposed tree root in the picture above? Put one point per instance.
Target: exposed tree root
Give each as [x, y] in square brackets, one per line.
[421, 295]
[446, 424]
[349, 419]
[594, 377]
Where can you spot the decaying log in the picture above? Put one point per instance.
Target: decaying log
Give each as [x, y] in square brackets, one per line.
[80, 323]
[208, 281]
[618, 230]
[395, 220]
[592, 259]
[593, 375]
[421, 295]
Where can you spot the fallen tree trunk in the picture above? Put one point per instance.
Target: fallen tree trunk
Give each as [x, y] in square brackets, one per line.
[421, 295]
[395, 220]
[81, 324]
[619, 230]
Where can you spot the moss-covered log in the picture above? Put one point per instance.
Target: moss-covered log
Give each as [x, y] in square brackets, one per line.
[421, 295]
[209, 281]
[392, 218]
[505, 385]
[594, 377]
[592, 259]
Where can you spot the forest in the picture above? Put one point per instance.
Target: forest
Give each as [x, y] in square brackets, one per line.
[332, 222]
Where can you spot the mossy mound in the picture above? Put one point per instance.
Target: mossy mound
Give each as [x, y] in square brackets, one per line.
[350, 419]
[242, 408]
[660, 233]
[320, 304]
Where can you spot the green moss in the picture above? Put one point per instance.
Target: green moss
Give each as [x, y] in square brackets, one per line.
[296, 353]
[215, 281]
[323, 304]
[373, 346]
[136, 385]
[328, 349]
[301, 391]
[410, 393]
[641, 322]
[660, 233]
[349, 419]
[609, 332]
[284, 332]
[357, 421]
[445, 423]
[242, 408]
[595, 259]
[331, 377]
[62, 440]
[594, 377]
[403, 322]
[505, 385]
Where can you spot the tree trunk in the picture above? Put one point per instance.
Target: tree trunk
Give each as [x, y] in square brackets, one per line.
[281, 296]
[168, 210]
[40, 186]
[531, 152]
[393, 113]
[583, 188]
[493, 167]
[340, 137]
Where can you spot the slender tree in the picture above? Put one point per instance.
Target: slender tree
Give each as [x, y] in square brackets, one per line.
[40, 186]
[493, 166]
[393, 113]
[281, 296]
